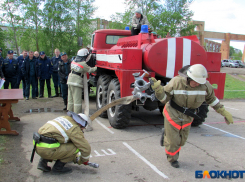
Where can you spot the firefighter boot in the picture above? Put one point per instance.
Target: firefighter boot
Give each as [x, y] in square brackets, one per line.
[175, 164]
[162, 138]
[65, 102]
[43, 165]
[56, 92]
[59, 168]
[49, 93]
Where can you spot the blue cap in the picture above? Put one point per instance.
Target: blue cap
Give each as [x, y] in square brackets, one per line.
[144, 29]
[42, 53]
[63, 53]
[10, 52]
[127, 28]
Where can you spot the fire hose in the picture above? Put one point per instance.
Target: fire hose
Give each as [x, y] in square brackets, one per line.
[140, 85]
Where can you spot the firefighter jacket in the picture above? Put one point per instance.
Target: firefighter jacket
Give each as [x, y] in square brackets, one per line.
[63, 73]
[65, 130]
[143, 20]
[79, 67]
[179, 90]
[10, 70]
[45, 68]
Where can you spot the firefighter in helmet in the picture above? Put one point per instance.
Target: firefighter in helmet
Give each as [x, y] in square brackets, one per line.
[75, 80]
[183, 95]
[62, 139]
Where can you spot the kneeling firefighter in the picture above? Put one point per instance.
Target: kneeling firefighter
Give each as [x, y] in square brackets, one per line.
[183, 95]
[62, 139]
[75, 81]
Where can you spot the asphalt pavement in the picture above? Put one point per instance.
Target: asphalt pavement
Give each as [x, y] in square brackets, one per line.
[135, 154]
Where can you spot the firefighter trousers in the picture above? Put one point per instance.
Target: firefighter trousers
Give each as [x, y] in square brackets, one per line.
[66, 152]
[176, 132]
[74, 99]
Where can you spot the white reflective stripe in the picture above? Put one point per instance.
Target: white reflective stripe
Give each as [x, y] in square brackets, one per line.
[171, 57]
[64, 122]
[164, 98]
[111, 58]
[214, 102]
[185, 92]
[171, 93]
[60, 129]
[186, 52]
[86, 157]
[77, 104]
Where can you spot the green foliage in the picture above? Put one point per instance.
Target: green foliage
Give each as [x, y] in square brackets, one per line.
[44, 25]
[172, 17]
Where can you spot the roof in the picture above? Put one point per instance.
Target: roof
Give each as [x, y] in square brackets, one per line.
[114, 32]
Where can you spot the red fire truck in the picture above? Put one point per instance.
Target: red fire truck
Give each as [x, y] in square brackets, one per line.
[118, 55]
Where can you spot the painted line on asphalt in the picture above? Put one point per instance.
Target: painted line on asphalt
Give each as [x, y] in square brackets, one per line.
[145, 160]
[104, 126]
[224, 131]
[231, 108]
[234, 90]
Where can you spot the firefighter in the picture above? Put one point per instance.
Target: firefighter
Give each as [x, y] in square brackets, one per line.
[62, 139]
[183, 95]
[75, 80]
[138, 20]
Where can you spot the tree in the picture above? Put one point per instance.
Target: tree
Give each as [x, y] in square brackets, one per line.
[172, 17]
[32, 16]
[12, 16]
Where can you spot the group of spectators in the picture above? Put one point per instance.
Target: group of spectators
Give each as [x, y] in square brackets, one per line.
[33, 69]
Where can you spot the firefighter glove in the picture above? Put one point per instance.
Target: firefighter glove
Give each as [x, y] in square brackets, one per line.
[226, 114]
[158, 88]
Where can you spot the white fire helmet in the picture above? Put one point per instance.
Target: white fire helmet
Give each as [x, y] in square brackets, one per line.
[85, 119]
[83, 52]
[198, 73]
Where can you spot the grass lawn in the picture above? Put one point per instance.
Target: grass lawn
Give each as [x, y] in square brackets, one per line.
[234, 84]
[45, 88]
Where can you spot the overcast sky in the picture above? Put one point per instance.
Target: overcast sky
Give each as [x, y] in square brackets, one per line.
[219, 15]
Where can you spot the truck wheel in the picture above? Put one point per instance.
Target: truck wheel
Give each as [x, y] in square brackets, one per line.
[101, 93]
[203, 111]
[119, 116]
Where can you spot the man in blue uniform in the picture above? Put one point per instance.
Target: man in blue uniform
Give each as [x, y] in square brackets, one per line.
[20, 60]
[64, 70]
[29, 70]
[45, 71]
[36, 56]
[10, 70]
[1, 62]
[1, 57]
[55, 61]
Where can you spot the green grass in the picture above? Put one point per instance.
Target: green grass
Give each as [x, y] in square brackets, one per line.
[234, 84]
[45, 88]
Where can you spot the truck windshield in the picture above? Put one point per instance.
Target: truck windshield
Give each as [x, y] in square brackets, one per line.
[112, 39]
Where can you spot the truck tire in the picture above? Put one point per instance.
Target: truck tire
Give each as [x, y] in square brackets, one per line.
[101, 93]
[203, 111]
[119, 116]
